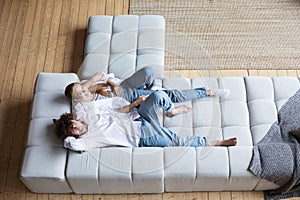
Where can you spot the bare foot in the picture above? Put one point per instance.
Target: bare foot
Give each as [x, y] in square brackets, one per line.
[179, 110]
[226, 143]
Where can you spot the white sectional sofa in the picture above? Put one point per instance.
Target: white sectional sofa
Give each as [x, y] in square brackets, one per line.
[122, 45]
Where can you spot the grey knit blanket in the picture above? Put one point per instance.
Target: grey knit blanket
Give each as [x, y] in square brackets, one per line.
[276, 157]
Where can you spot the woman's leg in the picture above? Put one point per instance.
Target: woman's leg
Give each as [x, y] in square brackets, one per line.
[143, 78]
[186, 95]
[175, 95]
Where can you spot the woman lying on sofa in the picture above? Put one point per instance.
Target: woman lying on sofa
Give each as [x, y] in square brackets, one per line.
[140, 83]
[116, 122]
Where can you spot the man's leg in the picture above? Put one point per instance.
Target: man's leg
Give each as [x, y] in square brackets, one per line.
[151, 107]
[226, 143]
[153, 134]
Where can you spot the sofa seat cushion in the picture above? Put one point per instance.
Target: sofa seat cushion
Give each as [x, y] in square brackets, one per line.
[43, 169]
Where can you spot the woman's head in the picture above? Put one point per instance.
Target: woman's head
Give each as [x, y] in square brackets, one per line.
[69, 89]
[66, 125]
[77, 92]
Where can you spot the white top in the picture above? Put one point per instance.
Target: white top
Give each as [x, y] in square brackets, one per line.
[106, 126]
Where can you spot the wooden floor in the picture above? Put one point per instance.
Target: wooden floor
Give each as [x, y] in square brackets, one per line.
[48, 36]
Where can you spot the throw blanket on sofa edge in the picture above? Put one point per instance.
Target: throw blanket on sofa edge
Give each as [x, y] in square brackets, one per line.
[276, 157]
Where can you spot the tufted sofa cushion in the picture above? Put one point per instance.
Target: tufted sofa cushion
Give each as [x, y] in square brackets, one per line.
[122, 45]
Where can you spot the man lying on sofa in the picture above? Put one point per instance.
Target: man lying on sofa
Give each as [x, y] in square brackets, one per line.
[116, 122]
[140, 83]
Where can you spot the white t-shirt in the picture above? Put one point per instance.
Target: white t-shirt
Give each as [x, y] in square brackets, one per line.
[106, 126]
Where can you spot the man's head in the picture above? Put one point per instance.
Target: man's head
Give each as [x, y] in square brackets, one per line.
[66, 125]
[78, 93]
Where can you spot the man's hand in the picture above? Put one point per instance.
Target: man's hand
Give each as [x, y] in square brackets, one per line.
[140, 100]
[131, 106]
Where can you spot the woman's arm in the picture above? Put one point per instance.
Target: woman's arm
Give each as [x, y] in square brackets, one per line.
[94, 79]
[102, 89]
[115, 88]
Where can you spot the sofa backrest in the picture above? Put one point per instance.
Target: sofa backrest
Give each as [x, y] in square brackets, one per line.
[123, 44]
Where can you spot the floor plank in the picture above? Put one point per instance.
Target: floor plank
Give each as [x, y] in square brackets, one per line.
[14, 188]
[126, 6]
[5, 13]
[53, 35]
[71, 37]
[7, 50]
[62, 38]
[110, 7]
[101, 7]
[45, 33]
[118, 7]
[80, 35]
[30, 70]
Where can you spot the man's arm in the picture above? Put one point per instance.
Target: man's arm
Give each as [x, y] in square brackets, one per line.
[131, 106]
[73, 144]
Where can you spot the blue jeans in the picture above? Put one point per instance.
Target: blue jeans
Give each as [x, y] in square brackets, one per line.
[141, 81]
[152, 133]
[175, 96]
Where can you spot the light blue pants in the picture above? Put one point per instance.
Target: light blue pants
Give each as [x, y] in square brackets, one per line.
[141, 81]
[152, 133]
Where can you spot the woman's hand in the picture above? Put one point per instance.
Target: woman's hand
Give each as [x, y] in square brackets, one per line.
[93, 80]
[117, 90]
[103, 89]
[99, 76]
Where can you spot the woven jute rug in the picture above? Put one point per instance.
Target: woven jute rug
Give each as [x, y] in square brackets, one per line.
[236, 34]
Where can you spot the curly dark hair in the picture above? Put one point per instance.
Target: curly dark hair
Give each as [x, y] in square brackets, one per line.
[68, 90]
[62, 125]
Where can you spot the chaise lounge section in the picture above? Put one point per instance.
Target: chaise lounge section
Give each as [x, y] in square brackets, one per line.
[122, 45]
